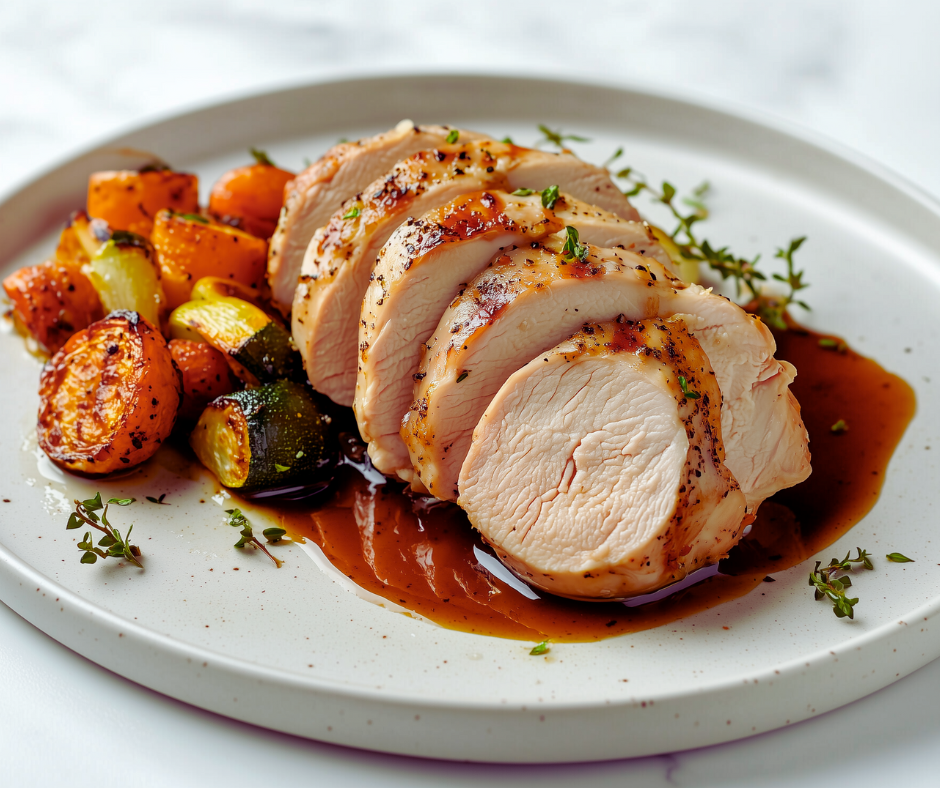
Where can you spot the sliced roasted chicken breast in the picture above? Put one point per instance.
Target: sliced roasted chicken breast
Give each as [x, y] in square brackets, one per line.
[344, 170]
[597, 471]
[532, 298]
[421, 269]
[339, 260]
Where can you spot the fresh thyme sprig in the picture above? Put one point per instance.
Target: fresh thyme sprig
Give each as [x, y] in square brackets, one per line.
[556, 138]
[238, 520]
[747, 278]
[828, 586]
[112, 544]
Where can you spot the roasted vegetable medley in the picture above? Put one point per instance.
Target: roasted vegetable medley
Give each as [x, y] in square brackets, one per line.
[156, 319]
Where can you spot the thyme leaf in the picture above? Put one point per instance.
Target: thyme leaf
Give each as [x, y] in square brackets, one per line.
[541, 648]
[574, 249]
[550, 197]
[684, 385]
[352, 213]
[898, 558]
[453, 136]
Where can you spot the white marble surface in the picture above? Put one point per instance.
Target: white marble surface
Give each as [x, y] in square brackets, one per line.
[862, 72]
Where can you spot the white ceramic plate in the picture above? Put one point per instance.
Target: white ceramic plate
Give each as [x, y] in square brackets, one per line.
[294, 651]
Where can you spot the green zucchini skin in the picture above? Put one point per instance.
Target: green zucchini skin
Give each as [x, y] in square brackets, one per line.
[270, 355]
[283, 421]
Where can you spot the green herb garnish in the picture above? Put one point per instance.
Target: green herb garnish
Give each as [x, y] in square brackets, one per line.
[828, 586]
[523, 192]
[238, 520]
[352, 213]
[744, 272]
[112, 544]
[684, 385]
[839, 427]
[541, 648]
[281, 468]
[453, 136]
[550, 197]
[556, 138]
[157, 500]
[463, 375]
[833, 344]
[898, 558]
[261, 157]
[573, 248]
[507, 141]
[192, 217]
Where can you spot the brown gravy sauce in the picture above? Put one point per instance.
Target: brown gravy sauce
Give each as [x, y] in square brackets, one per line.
[421, 555]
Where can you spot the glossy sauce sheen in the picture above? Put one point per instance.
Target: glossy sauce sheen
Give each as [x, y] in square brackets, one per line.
[420, 554]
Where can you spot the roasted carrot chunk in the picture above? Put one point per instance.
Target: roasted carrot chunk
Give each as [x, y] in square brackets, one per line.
[191, 247]
[206, 375]
[51, 301]
[251, 197]
[109, 397]
[128, 199]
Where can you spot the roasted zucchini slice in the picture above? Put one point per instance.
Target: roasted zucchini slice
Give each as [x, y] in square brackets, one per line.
[271, 436]
[127, 278]
[211, 287]
[109, 397]
[258, 348]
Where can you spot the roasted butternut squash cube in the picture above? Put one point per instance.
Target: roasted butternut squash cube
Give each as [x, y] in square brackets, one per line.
[129, 199]
[190, 247]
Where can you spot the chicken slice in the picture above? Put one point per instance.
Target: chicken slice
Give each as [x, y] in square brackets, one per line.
[319, 190]
[532, 298]
[420, 271]
[339, 260]
[597, 470]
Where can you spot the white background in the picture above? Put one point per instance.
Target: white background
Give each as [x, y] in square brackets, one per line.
[864, 73]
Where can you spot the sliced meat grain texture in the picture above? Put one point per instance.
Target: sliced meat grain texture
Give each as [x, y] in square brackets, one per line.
[339, 260]
[597, 470]
[423, 267]
[319, 190]
[532, 298]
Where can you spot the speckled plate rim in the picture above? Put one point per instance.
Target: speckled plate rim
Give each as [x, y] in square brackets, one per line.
[159, 661]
